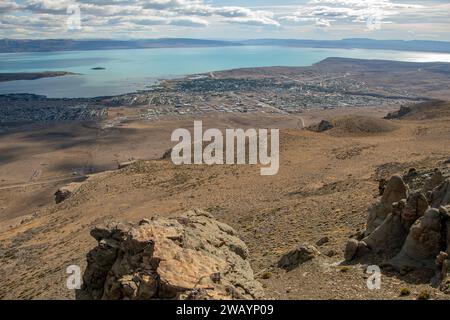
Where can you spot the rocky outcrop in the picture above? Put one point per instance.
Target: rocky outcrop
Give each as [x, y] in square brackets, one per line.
[440, 196]
[297, 256]
[354, 248]
[191, 256]
[403, 111]
[409, 226]
[322, 126]
[123, 165]
[422, 244]
[322, 241]
[66, 192]
[394, 191]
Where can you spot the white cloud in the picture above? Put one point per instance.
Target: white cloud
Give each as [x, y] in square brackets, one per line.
[322, 23]
[9, 5]
[356, 11]
[188, 22]
[48, 6]
[206, 17]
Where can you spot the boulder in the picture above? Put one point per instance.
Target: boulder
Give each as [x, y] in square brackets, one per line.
[190, 256]
[66, 192]
[403, 111]
[443, 259]
[355, 249]
[445, 213]
[388, 238]
[433, 181]
[381, 186]
[126, 164]
[440, 196]
[322, 241]
[331, 253]
[350, 249]
[297, 256]
[322, 126]
[414, 208]
[445, 276]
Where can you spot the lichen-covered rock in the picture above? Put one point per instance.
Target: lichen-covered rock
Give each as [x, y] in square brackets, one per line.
[191, 256]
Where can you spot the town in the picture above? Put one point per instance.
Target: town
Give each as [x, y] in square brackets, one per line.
[273, 90]
[207, 94]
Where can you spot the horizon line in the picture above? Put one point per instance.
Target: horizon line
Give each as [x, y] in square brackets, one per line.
[218, 39]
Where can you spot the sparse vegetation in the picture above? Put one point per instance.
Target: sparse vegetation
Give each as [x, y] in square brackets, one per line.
[405, 292]
[345, 269]
[323, 188]
[425, 294]
[266, 275]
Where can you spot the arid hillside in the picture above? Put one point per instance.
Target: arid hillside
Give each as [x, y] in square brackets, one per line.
[324, 186]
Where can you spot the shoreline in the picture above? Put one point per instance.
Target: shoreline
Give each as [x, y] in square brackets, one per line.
[331, 83]
[161, 82]
[18, 76]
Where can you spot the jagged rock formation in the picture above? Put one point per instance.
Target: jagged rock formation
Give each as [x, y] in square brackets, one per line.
[394, 191]
[422, 244]
[191, 256]
[410, 226]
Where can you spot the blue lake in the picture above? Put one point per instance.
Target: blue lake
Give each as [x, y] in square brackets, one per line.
[136, 69]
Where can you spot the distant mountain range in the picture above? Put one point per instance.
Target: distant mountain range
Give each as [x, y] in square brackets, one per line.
[357, 43]
[13, 45]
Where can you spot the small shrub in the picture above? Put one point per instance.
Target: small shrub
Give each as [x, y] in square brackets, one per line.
[405, 292]
[345, 269]
[424, 295]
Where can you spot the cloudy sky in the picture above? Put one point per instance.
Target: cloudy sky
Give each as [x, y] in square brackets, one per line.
[226, 19]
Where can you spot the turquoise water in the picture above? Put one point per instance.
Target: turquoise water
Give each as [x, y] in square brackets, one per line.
[131, 70]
